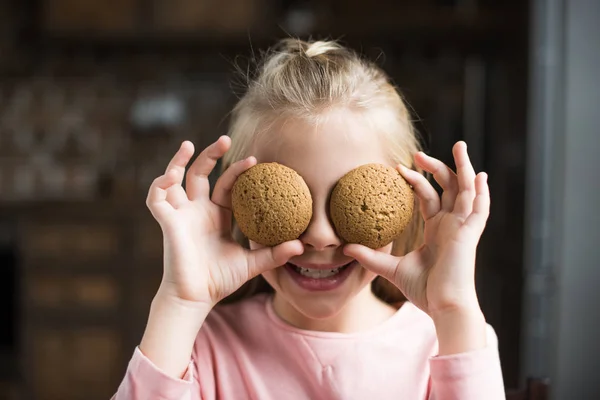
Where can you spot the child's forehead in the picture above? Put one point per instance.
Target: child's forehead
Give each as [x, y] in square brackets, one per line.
[321, 153]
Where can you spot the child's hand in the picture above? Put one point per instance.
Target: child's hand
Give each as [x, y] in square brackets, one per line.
[202, 262]
[439, 276]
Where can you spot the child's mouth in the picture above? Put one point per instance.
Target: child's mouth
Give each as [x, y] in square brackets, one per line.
[319, 273]
[319, 278]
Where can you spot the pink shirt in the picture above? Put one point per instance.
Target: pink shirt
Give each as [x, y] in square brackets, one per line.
[244, 351]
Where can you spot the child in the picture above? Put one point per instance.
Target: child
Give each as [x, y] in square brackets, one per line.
[319, 109]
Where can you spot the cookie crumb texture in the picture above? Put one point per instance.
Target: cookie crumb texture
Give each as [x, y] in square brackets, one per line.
[371, 205]
[271, 204]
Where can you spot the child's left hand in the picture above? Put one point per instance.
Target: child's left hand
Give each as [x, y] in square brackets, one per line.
[440, 275]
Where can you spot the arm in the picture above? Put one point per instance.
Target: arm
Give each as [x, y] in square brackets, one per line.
[473, 374]
[460, 331]
[202, 265]
[439, 276]
[161, 367]
[172, 327]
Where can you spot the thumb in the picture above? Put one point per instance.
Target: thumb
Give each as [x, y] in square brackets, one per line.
[381, 263]
[261, 260]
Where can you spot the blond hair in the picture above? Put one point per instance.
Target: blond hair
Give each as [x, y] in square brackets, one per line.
[300, 79]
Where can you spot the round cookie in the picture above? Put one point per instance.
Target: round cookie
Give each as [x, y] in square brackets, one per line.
[271, 204]
[371, 205]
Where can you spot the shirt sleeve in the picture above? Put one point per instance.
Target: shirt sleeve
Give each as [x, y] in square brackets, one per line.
[472, 375]
[144, 380]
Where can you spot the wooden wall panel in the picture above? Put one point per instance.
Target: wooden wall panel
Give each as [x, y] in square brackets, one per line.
[207, 16]
[73, 364]
[108, 16]
[71, 242]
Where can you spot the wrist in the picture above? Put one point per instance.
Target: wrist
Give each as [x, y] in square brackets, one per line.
[464, 309]
[171, 332]
[460, 330]
[167, 298]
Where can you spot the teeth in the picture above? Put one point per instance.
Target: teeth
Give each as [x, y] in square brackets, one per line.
[317, 273]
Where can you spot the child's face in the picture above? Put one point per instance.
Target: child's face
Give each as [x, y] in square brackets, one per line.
[321, 155]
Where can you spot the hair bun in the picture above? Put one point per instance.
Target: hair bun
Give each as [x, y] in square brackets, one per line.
[309, 49]
[318, 48]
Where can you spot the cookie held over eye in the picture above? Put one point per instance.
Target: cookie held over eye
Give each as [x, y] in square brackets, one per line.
[271, 204]
[371, 205]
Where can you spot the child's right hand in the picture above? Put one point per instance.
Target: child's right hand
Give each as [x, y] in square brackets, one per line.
[202, 262]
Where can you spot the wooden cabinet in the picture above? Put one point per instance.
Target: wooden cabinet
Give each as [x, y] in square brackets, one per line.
[91, 16]
[75, 363]
[151, 18]
[56, 290]
[204, 16]
[78, 303]
[54, 240]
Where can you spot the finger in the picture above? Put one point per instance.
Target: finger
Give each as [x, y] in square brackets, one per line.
[443, 175]
[222, 193]
[176, 196]
[381, 263]
[197, 184]
[181, 158]
[405, 272]
[157, 194]
[481, 205]
[267, 258]
[466, 180]
[174, 193]
[428, 198]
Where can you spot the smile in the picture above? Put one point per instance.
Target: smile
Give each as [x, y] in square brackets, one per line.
[319, 273]
[319, 277]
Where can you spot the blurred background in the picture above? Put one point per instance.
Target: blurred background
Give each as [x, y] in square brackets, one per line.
[95, 97]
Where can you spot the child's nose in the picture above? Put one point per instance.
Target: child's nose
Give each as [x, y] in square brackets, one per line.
[320, 233]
